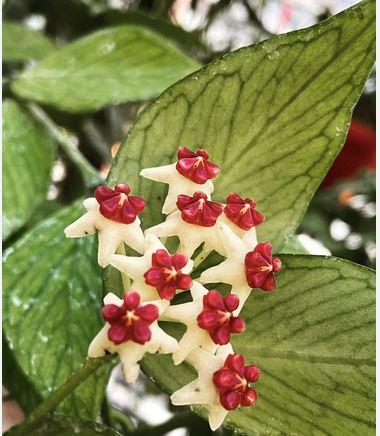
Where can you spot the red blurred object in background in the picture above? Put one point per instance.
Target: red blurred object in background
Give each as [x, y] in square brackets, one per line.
[359, 152]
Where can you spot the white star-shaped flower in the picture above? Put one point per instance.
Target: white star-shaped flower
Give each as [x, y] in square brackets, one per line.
[202, 390]
[248, 236]
[191, 236]
[187, 314]
[131, 352]
[178, 184]
[232, 270]
[135, 267]
[111, 234]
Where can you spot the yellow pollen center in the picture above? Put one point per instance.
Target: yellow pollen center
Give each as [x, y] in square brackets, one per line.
[266, 268]
[198, 162]
[129, 317]
[171, 273]
[242, 384]
[244, 209]
[123, 197]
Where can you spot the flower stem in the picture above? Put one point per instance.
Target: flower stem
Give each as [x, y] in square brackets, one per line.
[124, 277]
[90, 174]
[80, 375]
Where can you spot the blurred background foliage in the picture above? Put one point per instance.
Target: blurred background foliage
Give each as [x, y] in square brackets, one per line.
[341, 218]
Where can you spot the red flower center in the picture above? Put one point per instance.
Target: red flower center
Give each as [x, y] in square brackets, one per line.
[196, 166]
[130, 321]
[260, 266]
[232, 382]
[166, 275]
[198, 210]
[242, 212]
[117, 205]
[217, 317]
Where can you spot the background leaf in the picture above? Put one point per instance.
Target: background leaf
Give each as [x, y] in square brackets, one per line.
[273, 116]
[16, 382]
[113, 65]
[21, 43]
[314, 341]
[55, 425]
[52, 299]
[27, 159]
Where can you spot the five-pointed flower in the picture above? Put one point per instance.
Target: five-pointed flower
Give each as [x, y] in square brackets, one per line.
[185, 176]
[131, 331]
[194, 223]
[242, 217]
[222, 383]
[111, 232]
[117, 205]
[245, 267]
[187, 313]
[232, 382]
[260, 266]
[217, 317]
[202, 390]
[156, 274]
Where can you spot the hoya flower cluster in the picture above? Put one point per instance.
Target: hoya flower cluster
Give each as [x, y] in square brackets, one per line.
[131, 323]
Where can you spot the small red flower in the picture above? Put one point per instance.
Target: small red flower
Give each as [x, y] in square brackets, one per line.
[117, 205]
[130, 321]
[166, 275]
[198, 210]
[196, 166]
[217, 317]
[232, 382]
[242, 212]
[260, 266]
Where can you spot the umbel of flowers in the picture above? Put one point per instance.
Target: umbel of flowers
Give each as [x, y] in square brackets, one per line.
[224, 380]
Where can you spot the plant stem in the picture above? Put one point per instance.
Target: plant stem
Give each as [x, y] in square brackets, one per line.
[177, 421]
[90, 174]
[80, 375]
[124, 277]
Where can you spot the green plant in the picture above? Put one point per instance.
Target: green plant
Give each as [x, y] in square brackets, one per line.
[273, 116]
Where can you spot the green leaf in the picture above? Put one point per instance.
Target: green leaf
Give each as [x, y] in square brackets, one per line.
[273, 116]
[17, 383]
[314, 341]
[21, 43]
[52, 297]
[27, 159]
[56, 425]
[125, 63]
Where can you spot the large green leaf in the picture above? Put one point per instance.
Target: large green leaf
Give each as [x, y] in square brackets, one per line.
[314, 341]
[27, 159]
[21, 43]
[273, 116]
[17, 383]
[51, 309]
[56, 425]
[124, 63]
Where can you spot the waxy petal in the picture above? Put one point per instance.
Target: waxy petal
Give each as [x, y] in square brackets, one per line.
[111, 312]
[249, 397]
[118, 333]
[252, 373]
[196, 166]
[117, 205]
[141, 331]
[198, 210]
[131, 300]
[242, 212]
